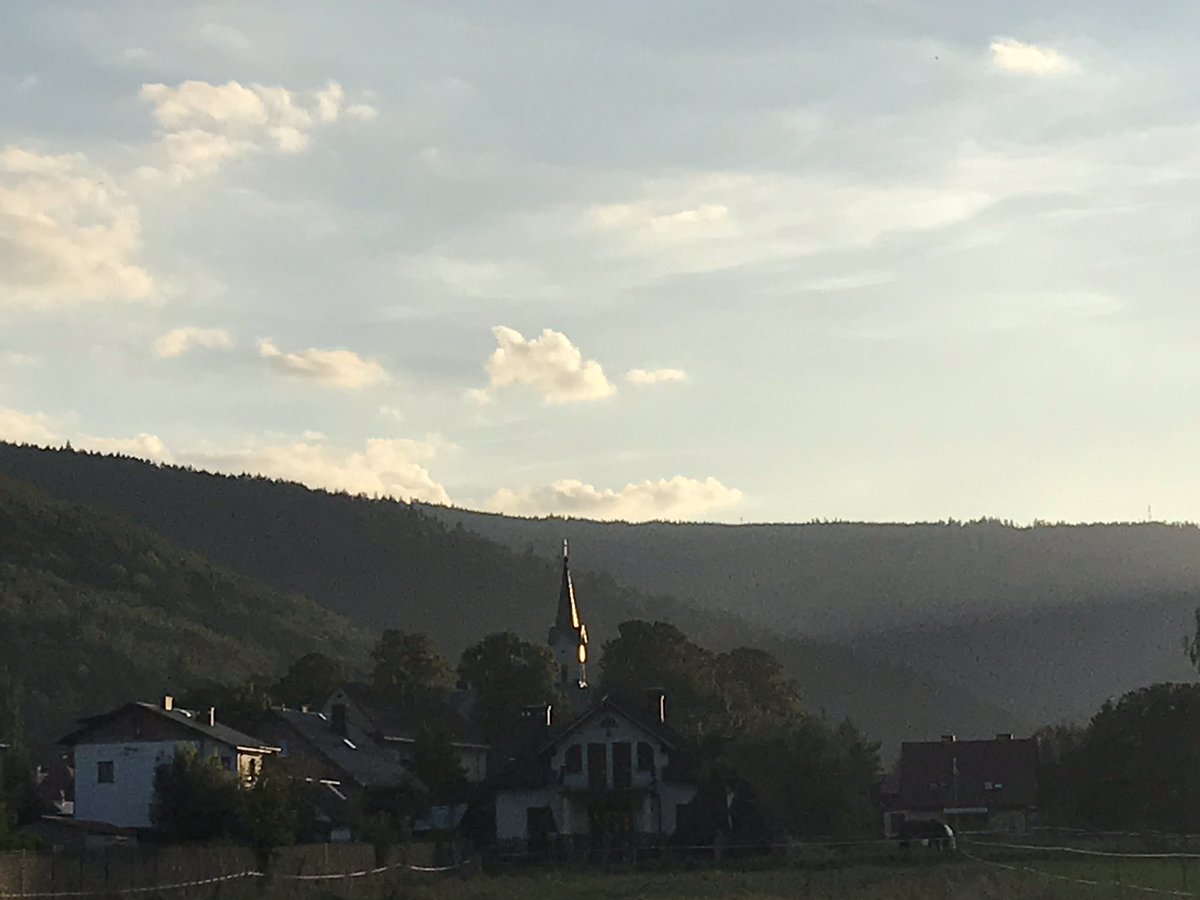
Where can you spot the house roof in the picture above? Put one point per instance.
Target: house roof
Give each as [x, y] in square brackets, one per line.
[192, 721]
[400, 722]
[531, 768]
[947, 774]
[661, 731]
[356, 754]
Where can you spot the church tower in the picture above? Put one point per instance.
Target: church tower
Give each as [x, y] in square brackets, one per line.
[568, 638]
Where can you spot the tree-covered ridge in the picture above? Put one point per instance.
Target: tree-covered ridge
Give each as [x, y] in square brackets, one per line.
[386, 564]
[95, 611]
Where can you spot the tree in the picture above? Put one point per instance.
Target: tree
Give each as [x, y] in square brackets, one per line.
[267, 813]
[1134, 767]
[658, 655]
[195, 798]
[238, 704]
[508, 674]
[310, 680]
[409, 667]
[436, 763]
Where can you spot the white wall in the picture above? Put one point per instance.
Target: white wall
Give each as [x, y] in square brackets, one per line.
[126, 801]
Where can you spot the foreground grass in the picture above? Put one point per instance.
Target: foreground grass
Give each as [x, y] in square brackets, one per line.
[959, 880]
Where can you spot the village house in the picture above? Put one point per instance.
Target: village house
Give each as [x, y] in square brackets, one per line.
[974, 785]
[116, 755]
[395, 726]
[338, 761]
[609, 777]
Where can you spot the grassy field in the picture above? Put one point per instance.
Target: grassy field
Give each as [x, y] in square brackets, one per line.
[961, 879]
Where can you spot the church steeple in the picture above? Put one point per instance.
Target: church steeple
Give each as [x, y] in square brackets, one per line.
[568, 636]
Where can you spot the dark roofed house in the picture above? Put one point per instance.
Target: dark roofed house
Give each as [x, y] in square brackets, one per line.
[338, 761]
[116, 755]
[970, 785]
[611, 776]
[395, 726]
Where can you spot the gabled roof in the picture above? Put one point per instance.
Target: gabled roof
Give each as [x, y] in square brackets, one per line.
[191, 721]
[356, 754]
[395, 721]
[992, 774]
[660, 731]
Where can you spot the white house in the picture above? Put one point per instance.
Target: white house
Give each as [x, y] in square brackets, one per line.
[609, 777]
[117, 753]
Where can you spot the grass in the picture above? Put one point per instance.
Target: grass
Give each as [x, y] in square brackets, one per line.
[960, 879]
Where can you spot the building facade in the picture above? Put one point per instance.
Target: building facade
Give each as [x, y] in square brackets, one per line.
[116, 755]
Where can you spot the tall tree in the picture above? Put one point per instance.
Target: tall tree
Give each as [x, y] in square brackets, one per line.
[507, 675]
[409, 667]
[311, 679]
[195, 799]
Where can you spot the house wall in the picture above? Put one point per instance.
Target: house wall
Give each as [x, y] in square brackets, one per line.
[126, 801]
[594, 732]
[474, 763]
[511, 808]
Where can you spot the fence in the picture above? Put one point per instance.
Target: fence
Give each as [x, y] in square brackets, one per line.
[347, 870]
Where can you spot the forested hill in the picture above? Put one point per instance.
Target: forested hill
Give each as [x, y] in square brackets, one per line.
[1050, 620]
[837, 579]
[95, 611]
[385, 564]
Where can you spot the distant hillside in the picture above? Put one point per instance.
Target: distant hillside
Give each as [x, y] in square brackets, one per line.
[387, 564]
[1048, 621]
[94, 611]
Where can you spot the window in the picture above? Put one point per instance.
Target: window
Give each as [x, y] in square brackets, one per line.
[597, 767]
[574, 759]
[227, 762]
[645, 757]
[104, 772]
[622, 765]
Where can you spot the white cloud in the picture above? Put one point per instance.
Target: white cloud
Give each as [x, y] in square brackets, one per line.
[642, 216]
[203, 126]
[179, 341]
[392, 468]
[1016, 56]
[550, 364]
[67, 234]
[654, 376]
[337, 368]
[144, 446]
[27, 428]
[362, 112]
[674, 498]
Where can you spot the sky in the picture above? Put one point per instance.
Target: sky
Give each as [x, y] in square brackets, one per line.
[762, 261]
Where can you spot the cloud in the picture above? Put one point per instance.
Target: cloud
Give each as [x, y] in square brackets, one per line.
[388, 467]
[67, 234]
[44, 430]
[1015, 56]
[654, 376]
[641, 216]
[179, 341]
[336, 368]
[550, 364]
[674, 498]
[144, 446]
[26, 428]
[203, 126]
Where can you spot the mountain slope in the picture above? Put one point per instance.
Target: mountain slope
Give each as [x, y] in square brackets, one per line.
[94, 611]
[386, 564]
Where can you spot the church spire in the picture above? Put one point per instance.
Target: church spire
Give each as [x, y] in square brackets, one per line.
[568, 637]
[567, 618]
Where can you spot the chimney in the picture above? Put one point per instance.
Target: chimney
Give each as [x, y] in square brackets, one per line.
[949, 738]
[168, 702]
[338, 719]
[1004, 736]
[212, 716]
[656, 704]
